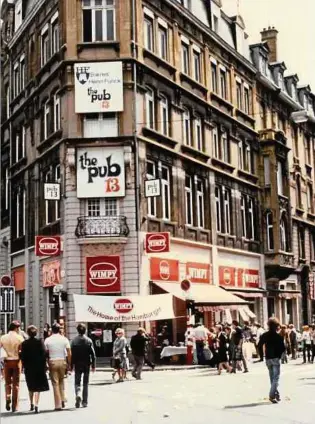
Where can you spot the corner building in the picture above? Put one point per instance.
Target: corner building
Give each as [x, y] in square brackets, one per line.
[186, 117]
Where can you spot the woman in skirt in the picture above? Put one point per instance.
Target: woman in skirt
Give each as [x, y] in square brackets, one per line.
[120, 354]
[33, 356]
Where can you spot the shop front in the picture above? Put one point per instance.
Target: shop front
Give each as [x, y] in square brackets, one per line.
[241, 275]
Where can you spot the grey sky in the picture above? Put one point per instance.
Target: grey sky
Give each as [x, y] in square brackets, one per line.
[295, 22]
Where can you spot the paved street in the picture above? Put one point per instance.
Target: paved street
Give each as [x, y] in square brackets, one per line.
[185, 397]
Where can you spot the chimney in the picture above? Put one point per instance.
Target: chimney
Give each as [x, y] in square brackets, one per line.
[270, 35]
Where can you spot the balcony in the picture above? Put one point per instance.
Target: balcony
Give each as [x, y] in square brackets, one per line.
[102, 229]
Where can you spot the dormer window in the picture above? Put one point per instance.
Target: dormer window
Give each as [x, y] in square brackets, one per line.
[280, 81]
[294, 92]
[263, 65]
[306, 102]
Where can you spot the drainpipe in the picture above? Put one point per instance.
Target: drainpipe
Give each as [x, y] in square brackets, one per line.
[135, 139]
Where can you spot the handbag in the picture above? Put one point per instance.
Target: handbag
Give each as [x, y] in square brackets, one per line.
[3, 353]
[115, 362]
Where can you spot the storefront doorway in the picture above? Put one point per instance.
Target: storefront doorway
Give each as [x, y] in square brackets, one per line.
[102, 336]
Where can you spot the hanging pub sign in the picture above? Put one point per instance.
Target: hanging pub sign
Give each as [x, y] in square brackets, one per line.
[52, 191]
[157, 242]
[47, 245]
[100, 172]
[98, 87]
[152, 188]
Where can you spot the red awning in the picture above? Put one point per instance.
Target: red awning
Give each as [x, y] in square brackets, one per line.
[248, 295]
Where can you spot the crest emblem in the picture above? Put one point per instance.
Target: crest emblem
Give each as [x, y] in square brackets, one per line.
[83, 74]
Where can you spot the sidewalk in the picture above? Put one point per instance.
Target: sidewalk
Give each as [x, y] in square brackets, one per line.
[107, 368]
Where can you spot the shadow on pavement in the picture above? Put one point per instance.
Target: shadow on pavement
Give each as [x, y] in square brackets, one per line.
[248, 405]
[307, 378]
[28, 413]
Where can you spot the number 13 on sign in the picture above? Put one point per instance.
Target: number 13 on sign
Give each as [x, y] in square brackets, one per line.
[112, 185]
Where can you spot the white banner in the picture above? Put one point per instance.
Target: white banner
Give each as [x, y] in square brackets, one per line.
[100, 172]
[123, 308]
[98, 87]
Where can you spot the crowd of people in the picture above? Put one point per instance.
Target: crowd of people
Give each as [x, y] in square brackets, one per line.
[229, 347]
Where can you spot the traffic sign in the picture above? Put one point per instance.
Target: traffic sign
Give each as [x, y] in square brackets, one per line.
[185, 285]
[7, 300]
[5, 280]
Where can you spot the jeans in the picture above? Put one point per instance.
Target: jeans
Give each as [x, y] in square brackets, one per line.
[200, 353]
[12, 373]
[80, 370]
[57, 369]
[138, 365]
[273, 366]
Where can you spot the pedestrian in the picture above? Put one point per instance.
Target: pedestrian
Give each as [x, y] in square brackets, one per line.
[222, 350]
[247, 341]
[284, 334]
[59, 359]
[273, 346]
[11, 344]
[82, 360]
[137, 344]
[307, 343]
[33, 356]
[237, 343]
[293, 341]
[47, 331]
[120, 354]
[260, 352]
[201, 335]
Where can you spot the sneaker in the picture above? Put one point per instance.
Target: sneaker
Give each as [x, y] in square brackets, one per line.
[63, 404]
[245, 371]
[278, 397]
[273, 400]
[8, 405]
[84, 404]
[78, 402]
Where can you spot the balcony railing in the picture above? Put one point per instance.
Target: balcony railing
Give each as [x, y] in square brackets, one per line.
[102, 226]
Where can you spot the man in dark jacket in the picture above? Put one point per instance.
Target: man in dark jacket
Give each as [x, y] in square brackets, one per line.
[83, 357]
[237, 339]
[273, 345]
[137, 344]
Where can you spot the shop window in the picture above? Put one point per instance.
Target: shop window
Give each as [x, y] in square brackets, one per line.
[98, 20]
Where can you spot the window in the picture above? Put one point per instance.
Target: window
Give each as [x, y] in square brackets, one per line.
[102, 207]
[97, 124]
[245, 156]
[45, 46]
[166, 192]
[148, 33]
[185, 58]
[162, 43]
[6, 188]
[198, 134]
[223, 83]
[284, 245]
[57, 117]
[305, 100]
[298, 192]
[307, 143]
[239, 99]
[243, 215]
[310, 200]
[7, 97]
[98, 20]
[20, 213]
[55, 37]
[51, 306]
[214, 77]
[23, 141]
[19, 143]
[215, 23]
[46, 120]
[200, 203]
[223, 209]
[22, 73]
[189, 199]
[263, 65]
[197, 65]
[21, 306]
[52, 207]
[247, 217]
[301, 233]
[246, 100]
[151, 175]
[16, 80]
[150, 110]
[269, 231]
[164, 115]
[280, 81]
[267, 170]
[215, 142]
[280, 177]
[225, 149]
[187, 127]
